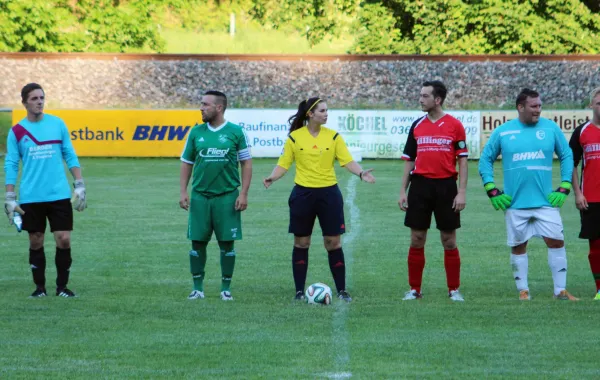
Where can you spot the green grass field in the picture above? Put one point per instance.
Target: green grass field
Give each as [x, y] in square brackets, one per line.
[132, 318]
[248, 41]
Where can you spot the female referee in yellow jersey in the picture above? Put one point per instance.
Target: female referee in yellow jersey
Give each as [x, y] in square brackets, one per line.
[315, 148]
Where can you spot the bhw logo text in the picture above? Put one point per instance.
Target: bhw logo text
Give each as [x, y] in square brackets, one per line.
[160, 132]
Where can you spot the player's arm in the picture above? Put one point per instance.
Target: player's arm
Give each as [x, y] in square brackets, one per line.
[11, 171]
[79, 199]
[409, 155]
[344, 157]
[490, 153]
[185, 173]
[283, 164]
[460, 201]
[460, 147]
[245, 158]
[577, 149]
[565, 155]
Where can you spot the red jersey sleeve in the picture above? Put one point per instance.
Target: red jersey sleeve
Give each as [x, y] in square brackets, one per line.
[460, 140]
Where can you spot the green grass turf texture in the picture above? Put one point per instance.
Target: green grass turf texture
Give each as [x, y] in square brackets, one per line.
[132, 318]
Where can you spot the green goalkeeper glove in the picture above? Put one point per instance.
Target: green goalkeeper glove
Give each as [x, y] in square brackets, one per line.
[499, 200]
[557, 197]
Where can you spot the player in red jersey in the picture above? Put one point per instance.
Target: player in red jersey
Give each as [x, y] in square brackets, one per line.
[585, 143]
[435, 141]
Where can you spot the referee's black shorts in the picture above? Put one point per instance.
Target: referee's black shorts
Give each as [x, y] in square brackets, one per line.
[59, 214]
[308, 203]
[428, 196]
[590, 222]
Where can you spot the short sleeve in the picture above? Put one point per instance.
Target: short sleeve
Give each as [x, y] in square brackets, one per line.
[460, 140]
[189, 151]
[342, 154]
[287, 156]
[575, 145]
[410, 149]
[243, 147]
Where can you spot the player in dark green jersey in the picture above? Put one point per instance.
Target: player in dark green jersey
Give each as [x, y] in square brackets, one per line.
[210, 157]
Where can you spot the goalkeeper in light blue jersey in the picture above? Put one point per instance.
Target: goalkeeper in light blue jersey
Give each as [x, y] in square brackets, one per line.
[527, 145]
[41, 142]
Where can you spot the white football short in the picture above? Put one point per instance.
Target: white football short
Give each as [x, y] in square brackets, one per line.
[522, 225]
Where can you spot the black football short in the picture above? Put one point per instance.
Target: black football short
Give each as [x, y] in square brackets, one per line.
[428, 196]
[59, 214]
[307, 203]
[590, 222]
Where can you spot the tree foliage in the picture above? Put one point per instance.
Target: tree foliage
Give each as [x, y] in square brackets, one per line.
[377, 26]
[477, 27]
[78, 26]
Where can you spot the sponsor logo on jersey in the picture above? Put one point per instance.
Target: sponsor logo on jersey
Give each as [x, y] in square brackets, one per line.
[433, 140]
[213, 153]
[529, 156]
[592, 148]
[201, 139]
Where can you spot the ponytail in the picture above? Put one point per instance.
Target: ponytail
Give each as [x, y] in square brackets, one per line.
[298, 120]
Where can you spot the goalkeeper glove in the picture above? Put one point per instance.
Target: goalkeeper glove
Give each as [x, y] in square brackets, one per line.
[78, 200]
[499, 200]
[11, 205]
[557, 197]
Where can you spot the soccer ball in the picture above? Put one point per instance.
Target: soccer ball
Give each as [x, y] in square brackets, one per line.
[318, 293]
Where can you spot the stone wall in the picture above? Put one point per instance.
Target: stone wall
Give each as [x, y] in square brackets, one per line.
[89, 83]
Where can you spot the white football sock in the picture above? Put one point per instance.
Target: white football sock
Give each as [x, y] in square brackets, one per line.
[520, 267]
[557, 260]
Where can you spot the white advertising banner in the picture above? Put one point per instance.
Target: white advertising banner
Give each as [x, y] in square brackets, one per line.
[380, 134]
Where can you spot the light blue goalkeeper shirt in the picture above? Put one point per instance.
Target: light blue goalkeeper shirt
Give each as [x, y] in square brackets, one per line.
[527, 152]
[42, 146]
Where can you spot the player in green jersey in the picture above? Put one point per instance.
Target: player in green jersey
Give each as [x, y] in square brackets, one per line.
[211, 155]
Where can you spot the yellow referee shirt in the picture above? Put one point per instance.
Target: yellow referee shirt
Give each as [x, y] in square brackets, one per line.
[314, 156]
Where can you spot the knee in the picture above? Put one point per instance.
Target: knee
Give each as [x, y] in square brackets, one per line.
[36, 240]
[63, 240]
[332, 242]
[417, 240]
[302, 242]
[448, 242]
[553, 243]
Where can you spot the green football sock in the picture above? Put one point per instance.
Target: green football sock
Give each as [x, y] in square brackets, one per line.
[197, 263]
[227, 264]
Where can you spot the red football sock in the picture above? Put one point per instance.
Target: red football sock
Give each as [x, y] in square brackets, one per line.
[594, 258]
[452, 265]
[416, 263]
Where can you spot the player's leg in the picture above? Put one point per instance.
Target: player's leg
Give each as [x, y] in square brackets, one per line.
[519, 262]
[451, 264]
[548, 224]
[330, 211]
[448, 221]
[34, 222]
[421, 203]
[594, 259]
[227, 266]
[300, 264]
[416, 263]
[197, 268]
[60, 216]
[199, 232]
[518, 234]
[227, 223]
[302, 219]
[590, 230]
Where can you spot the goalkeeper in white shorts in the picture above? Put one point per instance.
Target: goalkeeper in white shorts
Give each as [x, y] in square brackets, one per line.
[527, 145]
